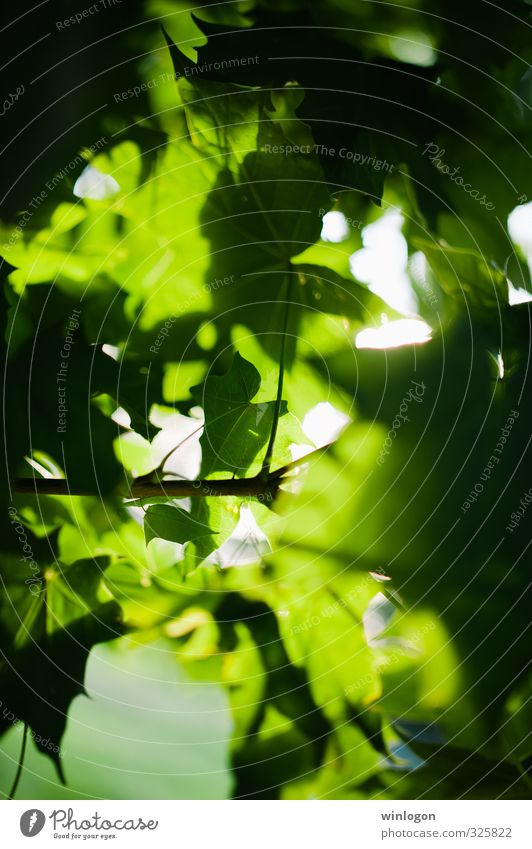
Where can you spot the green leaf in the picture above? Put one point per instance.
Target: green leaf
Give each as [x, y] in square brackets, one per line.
[285, 103]
[222, 513]
[66, 216]
[466, 275]
[323, 290]
[266, 214]
[235, 428]
[173, 523]
[72, 591]
[42, 678]
[223, 121]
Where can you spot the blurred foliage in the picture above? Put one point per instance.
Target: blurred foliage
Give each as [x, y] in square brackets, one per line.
[368, 624]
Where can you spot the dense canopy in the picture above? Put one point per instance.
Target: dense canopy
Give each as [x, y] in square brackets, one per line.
[234, 236]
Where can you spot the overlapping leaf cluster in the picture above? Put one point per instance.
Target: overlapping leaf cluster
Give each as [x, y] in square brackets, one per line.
[371, 636]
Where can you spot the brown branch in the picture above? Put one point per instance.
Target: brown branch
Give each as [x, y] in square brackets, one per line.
[264, 490]
[253, 487]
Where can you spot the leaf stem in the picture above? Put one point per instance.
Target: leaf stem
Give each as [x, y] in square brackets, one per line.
[20, 763]
[265, 470]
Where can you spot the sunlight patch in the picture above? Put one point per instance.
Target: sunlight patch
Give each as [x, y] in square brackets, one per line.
[335, 227]
[520, 227]
[376, 618]
[121, 417]
[517, 295]
[394, 334]
[246, 545]
[94, 185]
[382, 263]
[324, 423]
[520, 230]
[112, 351]
[413, 46]
[182, 434]
[299, 451]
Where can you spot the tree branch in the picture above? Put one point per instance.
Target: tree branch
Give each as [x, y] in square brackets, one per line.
[253, 487]
[257, 487]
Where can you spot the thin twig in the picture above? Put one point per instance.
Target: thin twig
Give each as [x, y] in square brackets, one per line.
[265, 471]
[167, 456]
[296, 464]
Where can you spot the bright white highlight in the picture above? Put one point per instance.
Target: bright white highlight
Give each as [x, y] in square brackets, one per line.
[520, 230]
[335, 227]
[376, 618]
[394, 334]
[121, 417]
[246, 545]
[182, 433]
[520, 227]
[299, 451]
[382, 263]
[94, 185]
[111, 351]
[324, 423]
[517, 295]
